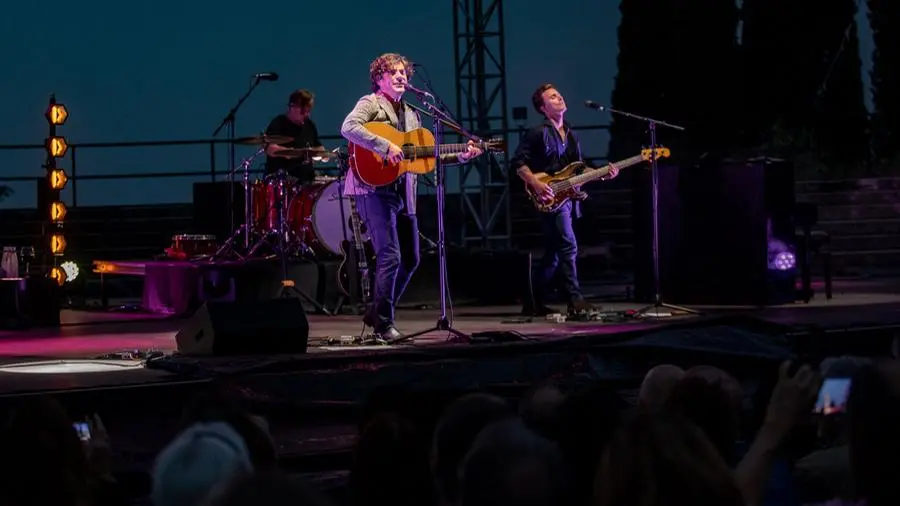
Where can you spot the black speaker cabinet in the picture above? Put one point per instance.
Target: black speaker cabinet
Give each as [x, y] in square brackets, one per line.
[245, 328]
[718, 224]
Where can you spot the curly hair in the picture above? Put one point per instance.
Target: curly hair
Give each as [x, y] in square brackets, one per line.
[385, 63]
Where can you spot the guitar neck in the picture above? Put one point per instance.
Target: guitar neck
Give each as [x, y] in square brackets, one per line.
[354, 219]
[598, 173]
[428, 151]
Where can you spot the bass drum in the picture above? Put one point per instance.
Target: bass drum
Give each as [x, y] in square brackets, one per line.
[316, 217]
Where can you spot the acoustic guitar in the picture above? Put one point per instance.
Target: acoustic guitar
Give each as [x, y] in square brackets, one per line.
[374, 169]
[567, 183]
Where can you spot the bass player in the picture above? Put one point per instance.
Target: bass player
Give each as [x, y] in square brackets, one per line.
[389, 211]
[548, 148]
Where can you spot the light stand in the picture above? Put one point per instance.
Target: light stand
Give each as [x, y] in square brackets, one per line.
[654, 175]
[228, 121]
[443, 323]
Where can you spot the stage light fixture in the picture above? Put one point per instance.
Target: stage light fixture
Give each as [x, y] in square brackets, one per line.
[58, 274]
[56, 114]
[58, 212]
[71, 270]
[57, 146]
[57, 244]
[58, 179]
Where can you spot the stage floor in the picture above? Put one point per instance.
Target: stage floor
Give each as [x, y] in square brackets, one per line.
[95, 335]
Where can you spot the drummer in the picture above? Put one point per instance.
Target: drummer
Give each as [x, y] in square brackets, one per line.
[296, 124]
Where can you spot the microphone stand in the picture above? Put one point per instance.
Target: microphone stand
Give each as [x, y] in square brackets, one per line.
[443, 323]
[654, 173]
[228, 121]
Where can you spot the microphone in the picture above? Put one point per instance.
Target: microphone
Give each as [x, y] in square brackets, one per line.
[594, 105]
[417, 91]
[266, 76]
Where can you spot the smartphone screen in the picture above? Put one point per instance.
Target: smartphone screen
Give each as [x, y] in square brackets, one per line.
[83, 431]
[833, 396]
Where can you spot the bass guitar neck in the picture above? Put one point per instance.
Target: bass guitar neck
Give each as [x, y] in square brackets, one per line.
[566, 184]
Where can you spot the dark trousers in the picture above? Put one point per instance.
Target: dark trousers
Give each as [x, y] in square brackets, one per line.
[395, 237]
[561, 252]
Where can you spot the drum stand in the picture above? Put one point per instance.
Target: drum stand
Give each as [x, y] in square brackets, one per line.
[288, 287]
[227, 248]
[282, 204]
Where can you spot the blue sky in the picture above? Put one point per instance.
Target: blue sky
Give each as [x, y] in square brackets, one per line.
[171, 70]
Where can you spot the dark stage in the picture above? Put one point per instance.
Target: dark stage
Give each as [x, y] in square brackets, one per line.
[312, 400]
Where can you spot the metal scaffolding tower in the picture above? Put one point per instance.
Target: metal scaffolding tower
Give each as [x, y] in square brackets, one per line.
[480, 55]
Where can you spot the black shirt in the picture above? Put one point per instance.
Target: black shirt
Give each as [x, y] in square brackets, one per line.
[542, 149]
[305, 136]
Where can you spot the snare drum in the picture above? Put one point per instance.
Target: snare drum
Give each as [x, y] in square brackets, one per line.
[264, 195]
[193, 245]
[315, 215]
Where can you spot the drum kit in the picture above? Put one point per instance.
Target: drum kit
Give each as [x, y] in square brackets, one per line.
[312, 219]
[283, 218]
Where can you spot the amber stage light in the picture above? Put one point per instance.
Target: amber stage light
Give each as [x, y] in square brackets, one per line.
[57, 244]
[57, 146]
[58, 179]
[58, 212]
[57, 273]
[57, 114]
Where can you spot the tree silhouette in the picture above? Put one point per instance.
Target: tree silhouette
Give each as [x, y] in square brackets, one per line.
[678, 61]
[803, 84]
[884, 18]
[645, 65]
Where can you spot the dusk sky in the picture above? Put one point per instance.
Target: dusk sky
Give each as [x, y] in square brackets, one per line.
[170, 70]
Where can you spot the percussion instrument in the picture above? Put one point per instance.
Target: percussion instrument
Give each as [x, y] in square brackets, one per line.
[315, 215]
[264, 194]
[316, 154]
[186, 246]
[259, 140]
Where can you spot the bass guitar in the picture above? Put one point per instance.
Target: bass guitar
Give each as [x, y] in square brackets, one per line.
[567, 183]
[418, 146]
[355, 257]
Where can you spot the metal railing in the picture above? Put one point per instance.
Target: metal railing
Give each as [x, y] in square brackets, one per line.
[213, 172]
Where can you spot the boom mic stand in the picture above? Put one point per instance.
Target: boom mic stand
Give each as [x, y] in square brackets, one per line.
[443, 323]
[654, 174]
[228, 121]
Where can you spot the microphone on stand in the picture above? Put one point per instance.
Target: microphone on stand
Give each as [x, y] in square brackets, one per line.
[266, 76]
[594, 105]
[417, 91]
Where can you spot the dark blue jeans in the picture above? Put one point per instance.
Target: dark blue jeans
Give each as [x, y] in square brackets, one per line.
[395, 238]
[561, 252]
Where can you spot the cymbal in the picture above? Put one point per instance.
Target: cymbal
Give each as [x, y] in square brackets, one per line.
[264, 139]
[302, 152]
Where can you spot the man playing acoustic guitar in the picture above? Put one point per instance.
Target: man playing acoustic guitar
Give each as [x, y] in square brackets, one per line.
[549, 148]
[389, 211]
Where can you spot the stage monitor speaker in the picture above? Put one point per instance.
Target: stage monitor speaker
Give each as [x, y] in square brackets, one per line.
[245, 328]
[213, 207]
[720, 226]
